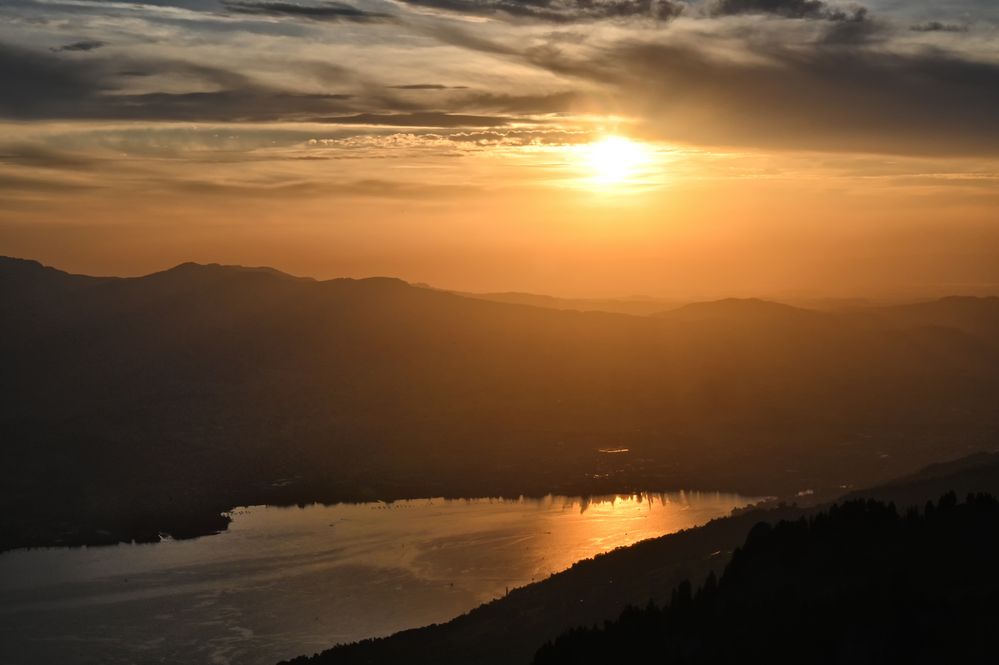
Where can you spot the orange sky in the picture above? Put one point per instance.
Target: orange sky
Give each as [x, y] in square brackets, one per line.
[773, 147]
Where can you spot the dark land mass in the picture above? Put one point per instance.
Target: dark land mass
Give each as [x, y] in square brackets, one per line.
[136, 406]
[509, 631]
[859, 583]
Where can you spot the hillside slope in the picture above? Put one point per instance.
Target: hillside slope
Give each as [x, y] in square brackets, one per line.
[857, 583]
[140, 405]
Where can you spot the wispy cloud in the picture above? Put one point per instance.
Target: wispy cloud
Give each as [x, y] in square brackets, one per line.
[559, 11]
[937, 26]
[79, 46]
[808, 9]
[424, 119]
[819, 97]
[428, 86]
[329, 11]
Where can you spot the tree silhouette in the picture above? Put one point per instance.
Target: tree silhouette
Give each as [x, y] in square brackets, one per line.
[856, 584]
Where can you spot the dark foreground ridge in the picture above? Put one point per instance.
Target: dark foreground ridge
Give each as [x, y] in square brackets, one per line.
[136, 406]
[860, 583]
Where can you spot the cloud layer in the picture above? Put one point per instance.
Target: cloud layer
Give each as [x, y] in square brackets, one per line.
[800, 9]
[782, 74]
[559, 11]
[330, 11]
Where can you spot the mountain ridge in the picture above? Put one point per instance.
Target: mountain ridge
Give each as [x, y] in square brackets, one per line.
[377, 389]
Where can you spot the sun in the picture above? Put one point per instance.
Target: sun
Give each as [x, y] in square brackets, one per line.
[615, 159]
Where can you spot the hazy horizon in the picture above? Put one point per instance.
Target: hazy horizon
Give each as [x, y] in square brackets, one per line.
[798, 297]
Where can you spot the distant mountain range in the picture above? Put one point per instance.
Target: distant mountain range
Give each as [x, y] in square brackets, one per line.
[134, 406]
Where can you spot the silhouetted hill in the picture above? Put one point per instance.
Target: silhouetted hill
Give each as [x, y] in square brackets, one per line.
[139, 405]
[859, 583]
[509, 630]
[23, 283]
[197, 271]
[967, 475]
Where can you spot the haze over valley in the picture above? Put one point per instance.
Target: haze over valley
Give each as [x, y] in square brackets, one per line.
[237, 386]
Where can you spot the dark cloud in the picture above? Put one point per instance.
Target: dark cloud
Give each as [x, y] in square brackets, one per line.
[937, 26]
[20, 183]
[428, 86]
[559, 11]
[79, 46]
[808, 9]
[238, 105]
[855, 31]
[823, 97]
[422, 119]
[557, 102]
[374, 188]
[37, 156]
[40, 85]
[44, 86]
[37, 85]
[330, 11]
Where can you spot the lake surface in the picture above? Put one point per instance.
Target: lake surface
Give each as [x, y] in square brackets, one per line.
[282, 582]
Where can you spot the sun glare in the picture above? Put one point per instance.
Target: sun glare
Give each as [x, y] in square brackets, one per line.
[615, 159]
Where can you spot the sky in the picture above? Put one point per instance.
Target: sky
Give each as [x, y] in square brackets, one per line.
[697, 149]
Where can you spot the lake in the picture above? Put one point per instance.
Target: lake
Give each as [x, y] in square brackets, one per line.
[286, 581]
